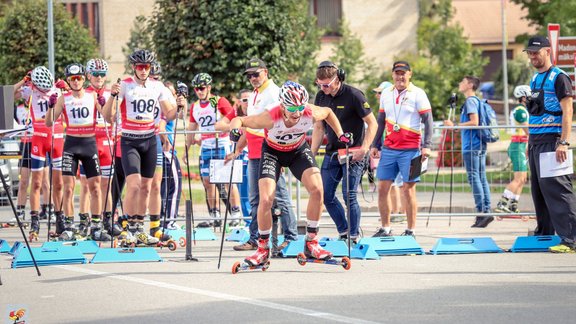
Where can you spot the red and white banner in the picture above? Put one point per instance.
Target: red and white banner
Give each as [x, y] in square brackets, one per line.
[553, 35]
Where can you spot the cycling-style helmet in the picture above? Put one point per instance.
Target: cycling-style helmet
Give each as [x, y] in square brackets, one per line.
[522, 91]
[156, 68]
[96, 65]
[293, 94]
[520, 115]
[142, 57]
[74, 69]
[201, 80]
[42, 78]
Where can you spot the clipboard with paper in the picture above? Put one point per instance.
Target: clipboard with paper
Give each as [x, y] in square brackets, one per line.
[550, 167]
[417, 167]
[220, 171]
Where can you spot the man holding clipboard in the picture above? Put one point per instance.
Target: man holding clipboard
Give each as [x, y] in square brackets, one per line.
[550, 123]
[403, 108]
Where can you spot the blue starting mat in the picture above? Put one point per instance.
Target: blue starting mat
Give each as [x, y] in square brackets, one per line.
[119, 255]
[47, 256]
[535, 243]
[465, 245]
[364, 252]
[238, 235]
[86, 247]
[393, 245]
[4, 246]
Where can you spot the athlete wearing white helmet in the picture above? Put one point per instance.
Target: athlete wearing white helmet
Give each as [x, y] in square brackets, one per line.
[508, 203]
[285, 126]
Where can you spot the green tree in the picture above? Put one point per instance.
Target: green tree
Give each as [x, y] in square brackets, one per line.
[519, 72]
[444, 54]
[190, 39]
[140, 37]
[24, 43]
[348, 54]
[540, 13]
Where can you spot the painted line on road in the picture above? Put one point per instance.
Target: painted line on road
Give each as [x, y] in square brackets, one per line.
[222, 296]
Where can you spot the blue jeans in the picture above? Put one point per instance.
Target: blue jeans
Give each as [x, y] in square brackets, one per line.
[332, 173]
[475, 162]
[283, 199]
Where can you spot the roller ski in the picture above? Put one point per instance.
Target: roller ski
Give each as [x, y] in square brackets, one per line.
[97, 233]
[258, 261]
[344, 262]
[313, 253]
[13, 222]
[70, 232]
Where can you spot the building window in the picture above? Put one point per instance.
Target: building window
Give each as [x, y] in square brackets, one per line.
[328, 14]
[88, 14]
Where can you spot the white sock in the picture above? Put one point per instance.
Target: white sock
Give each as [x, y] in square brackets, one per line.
[517, 197]
[387, 229]
[508, 194]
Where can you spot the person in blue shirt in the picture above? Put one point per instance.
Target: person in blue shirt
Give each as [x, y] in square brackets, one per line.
[474, 149]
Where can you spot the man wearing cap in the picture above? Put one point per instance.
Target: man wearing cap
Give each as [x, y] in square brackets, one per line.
[264, 97]
[354, 113]
[403, 108]
[549, 129]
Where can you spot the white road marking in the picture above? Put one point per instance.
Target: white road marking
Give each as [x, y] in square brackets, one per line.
[222, 296]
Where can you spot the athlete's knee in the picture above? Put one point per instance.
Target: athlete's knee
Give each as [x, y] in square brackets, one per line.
[266, 202]
[316, 193]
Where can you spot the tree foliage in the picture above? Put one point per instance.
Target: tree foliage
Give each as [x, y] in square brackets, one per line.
[519, 72]
[540, 13]
[24, 40]
[444, 54]
[220, 36]
[140, 37]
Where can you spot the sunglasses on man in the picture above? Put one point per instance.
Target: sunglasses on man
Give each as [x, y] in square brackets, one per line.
[98, 74]
[326, 85]
[294, 109]
[76, 78]
[142, 67]
[253, 75]
[244, 100]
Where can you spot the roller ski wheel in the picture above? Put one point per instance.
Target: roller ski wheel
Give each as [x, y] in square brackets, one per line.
[243, 267]
[344, 262]
[170, 244]
[33, 237]
[182, 242]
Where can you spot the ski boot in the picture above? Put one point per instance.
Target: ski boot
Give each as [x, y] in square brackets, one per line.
[142, 238]
[70, 232]
[97, 233]
[34, 227]
[116, 228]
[313, 253]
[257, 261]
[84, 224]
[503, 205]
[235, 216]
[125, 239]
[164, 240]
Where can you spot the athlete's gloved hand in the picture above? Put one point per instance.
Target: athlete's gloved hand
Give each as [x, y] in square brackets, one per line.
[52, 100]
[235, 134]
[28, 76]
[101, 100]
[346, 139]
[213, 101]
[61, 84]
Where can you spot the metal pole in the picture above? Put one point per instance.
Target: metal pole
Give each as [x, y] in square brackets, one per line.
[50, 37]
[505, 63]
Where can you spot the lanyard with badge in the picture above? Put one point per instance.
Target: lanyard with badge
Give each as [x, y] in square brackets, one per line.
[396, 127]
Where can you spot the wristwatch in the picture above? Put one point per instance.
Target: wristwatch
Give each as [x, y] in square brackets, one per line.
[563, 142]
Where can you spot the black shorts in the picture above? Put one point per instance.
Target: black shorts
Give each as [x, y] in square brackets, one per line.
[25, 160]
[298, 161]
[80, 149]
[139, 156]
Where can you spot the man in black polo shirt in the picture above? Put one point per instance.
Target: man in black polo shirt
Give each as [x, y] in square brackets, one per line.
[354, 113]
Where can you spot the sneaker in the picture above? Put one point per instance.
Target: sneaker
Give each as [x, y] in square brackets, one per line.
[562, 248]
[313, 250]
[382, 233]
[484, 221]
[261, 255]
[408, 233]
[245, 246]
[503, 205]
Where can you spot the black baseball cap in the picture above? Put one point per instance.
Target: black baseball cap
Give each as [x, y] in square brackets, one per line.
[254, 65]
[400, 65]
[535, 43]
